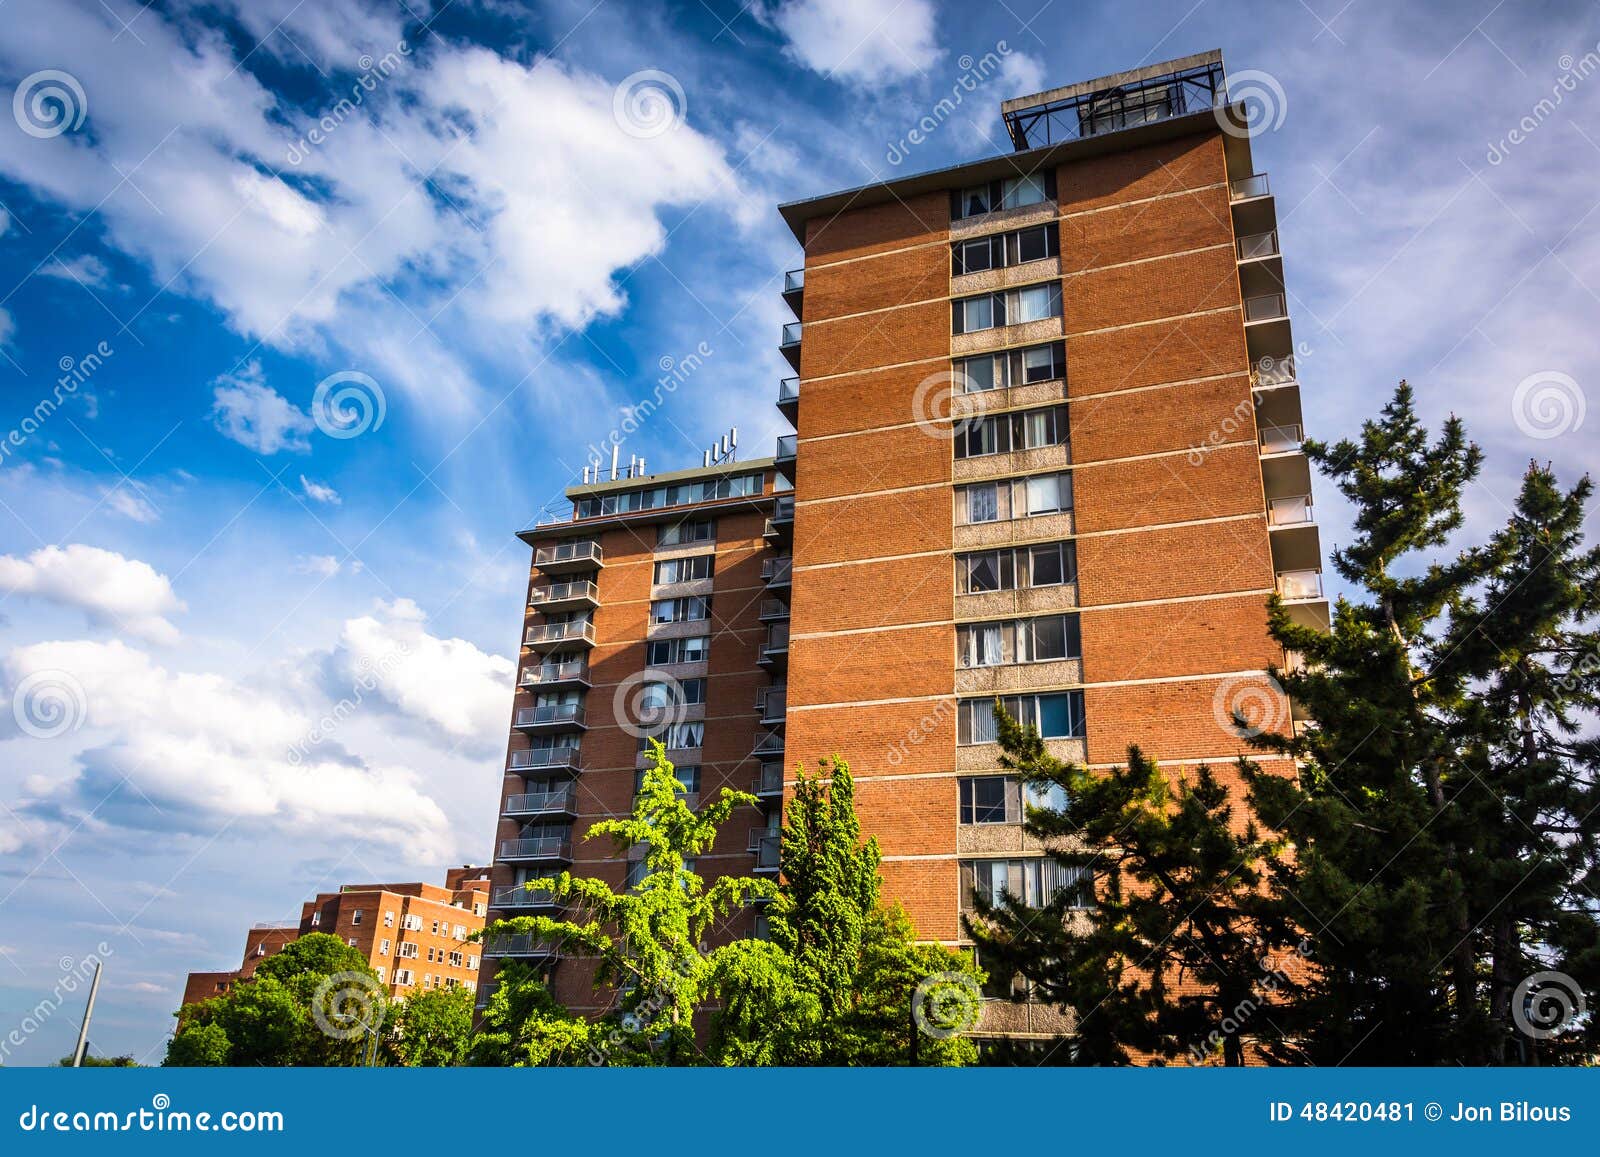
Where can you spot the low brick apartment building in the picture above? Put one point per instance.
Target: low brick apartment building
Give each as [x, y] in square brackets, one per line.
[1047, 448]
[415, 936]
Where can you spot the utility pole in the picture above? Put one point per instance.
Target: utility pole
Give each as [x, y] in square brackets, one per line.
[83, 1029]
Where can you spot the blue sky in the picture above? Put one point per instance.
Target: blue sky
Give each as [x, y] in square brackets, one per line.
[531, 210]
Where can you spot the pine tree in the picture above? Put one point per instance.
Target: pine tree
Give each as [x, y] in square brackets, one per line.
[1161, 949]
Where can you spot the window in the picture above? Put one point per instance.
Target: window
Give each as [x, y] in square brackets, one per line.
[379, 971]
[461, 931]
[657, 697]
[1035, 882]
[1018, 641]
[657, 497]
[472, 963]
[692, 609]
[688, 780]
[1003, 799]
[1004, 249]
[1018, 430]
[1056, 715]
[1016, 568]
[684, 533]
[635, 874]
[455, 960]
[316, 918]
[383, 948]
[677, 736]
[1124, 110]
[430, 954]
[1018, 367]
[407, 950]
[684, 570]
[1005, 307]
[351, 941]
[435, 928]
[355, 917]
[403, 976]
[975, 200]
[980, 502]
[663, 652]
[388, 919]
[411, 923]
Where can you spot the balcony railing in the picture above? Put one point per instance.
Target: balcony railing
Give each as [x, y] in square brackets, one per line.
[1266, 307]
[518, 896]
[769, 780]
[551, 715]
[562, 799]
[1245, 188]
[520, 945]
[1299, 585]
[545, 674]
[1258, 245]
[1271, 371]
[788, 391]
[772, 703]
[1280, 439]
[772, 609]
[537, 848]
[581, 630]
[564, 757]
[783, 509]
[1292, 511]
[567, 552]
[768, 745]
[777, 571]
[777, 639]
[788, 446]
[794, 279]
[791, 334]
[766, 847]
[579, 590]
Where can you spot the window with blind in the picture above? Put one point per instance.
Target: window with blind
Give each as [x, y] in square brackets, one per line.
[1018, 367]
[1036, 882]
[1054, 714]
[1008, 498]
[1035, 640]
[1017, 568]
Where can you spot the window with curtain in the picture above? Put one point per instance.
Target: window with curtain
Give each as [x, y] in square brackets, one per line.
[1034, 881]
[1019, 191]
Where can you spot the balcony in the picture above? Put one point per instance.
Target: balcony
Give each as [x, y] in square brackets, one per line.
[1280, 439]
[789, 346]
[769, 782]
[517, 897]
[771, 703]
[1265, 307]
[568, 557]
[1270, 373]
[765, 846]
[580, 633]
[574, 671]
[1258, 246]
[788, 448]
[794, 289]
[768, 746]
[777, 572]
[775, 647]
[524, 947]
[563, 758]
[1249, 188]
[789, 398]
[527, 849]
[573, 596]
[551, 717]
[773, 610]
[1295, 510]
[560, 801]
[781, 525]
[1299, 586]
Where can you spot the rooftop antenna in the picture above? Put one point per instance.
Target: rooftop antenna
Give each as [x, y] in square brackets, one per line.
[724, 449]
[616, 449]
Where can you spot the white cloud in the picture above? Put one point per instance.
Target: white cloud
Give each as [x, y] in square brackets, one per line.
[325, 565]
[445, 685]
[86, 269]
[5, 222]
[7, 328]
[319, 492]
[191, 752]
[250, 412]
[870, 42]
[1019, 75]
[108, 587]
[125, 500]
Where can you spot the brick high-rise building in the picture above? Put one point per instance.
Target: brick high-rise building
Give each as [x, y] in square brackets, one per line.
[414, 935]
[1047, 448]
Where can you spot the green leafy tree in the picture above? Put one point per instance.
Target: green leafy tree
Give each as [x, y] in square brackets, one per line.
[90, 1061]
[649, 941]
[432, 1028]
[200, 1045]
[1156, 944]
[523, 1025]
